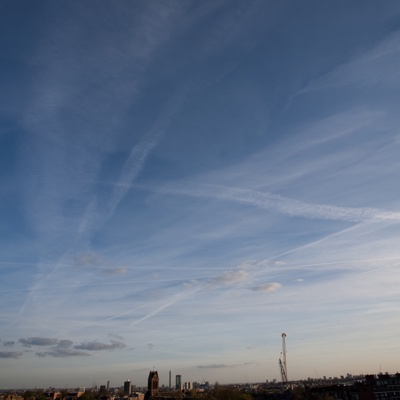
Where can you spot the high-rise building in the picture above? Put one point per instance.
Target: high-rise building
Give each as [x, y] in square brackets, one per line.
[152, 384]
[178, 382]
[127, 387]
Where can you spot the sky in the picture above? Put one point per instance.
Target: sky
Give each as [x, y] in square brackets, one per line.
[183, 181]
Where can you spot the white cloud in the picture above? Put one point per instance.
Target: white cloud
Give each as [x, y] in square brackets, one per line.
[229, 278]
[267, 287]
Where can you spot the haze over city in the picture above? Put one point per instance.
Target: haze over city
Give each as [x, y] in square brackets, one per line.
[183, 181]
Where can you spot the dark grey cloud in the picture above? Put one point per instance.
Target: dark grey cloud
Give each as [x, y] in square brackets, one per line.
[61, 352]
[8, 343]
[10, 354]
[38, 341]
[224, 365]
[95, 346]
[64, 344]
[213, 366]
[150, 346]
[65, 348]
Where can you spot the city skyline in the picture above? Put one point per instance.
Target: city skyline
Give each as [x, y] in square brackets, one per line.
[183, 181]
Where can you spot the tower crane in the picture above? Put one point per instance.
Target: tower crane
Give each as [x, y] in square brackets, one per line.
[282, 360]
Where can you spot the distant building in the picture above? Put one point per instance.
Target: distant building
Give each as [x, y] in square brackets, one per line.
[178, 382]
[127, 387]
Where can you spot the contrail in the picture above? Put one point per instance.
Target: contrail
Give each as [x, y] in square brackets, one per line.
[379, 268]
[270, 201]
[364, 260]
[161, 308]
[95, 214]
[134, 164]
[343, 231]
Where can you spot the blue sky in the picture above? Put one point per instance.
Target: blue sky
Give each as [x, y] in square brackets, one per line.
[183, 181]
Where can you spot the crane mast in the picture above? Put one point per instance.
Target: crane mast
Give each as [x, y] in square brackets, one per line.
[282, 360]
